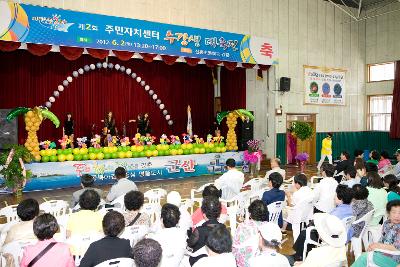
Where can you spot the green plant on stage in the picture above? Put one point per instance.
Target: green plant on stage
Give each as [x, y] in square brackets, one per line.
[302, 130]
[13, 172]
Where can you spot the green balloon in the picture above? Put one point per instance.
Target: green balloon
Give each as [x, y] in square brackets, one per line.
[45, 159]
[135, 154]
[142, 154]
[91, 149]
[53, 158]
[222, 144]
[77, 157]
[119, 149]
[107, 155]
[167, 153]
[85, 157]
[161, 152]
[114, 155]
[208, 150]
[59, 151]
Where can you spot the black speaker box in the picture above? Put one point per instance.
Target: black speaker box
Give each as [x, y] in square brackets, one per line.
[284, 84]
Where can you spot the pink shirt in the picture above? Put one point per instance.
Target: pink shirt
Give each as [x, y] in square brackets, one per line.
[197, 216]
[383, 163]
[59, 255]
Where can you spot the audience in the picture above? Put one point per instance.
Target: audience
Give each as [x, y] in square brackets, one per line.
[27, 210]
[197, 216]
[390, 240]
[111, 246]
[87, 182]
[377, 196]
[360, 167]
[369, 167]
[133, 201]
[270, 238]
[219, 248]
[171, 238]
[350, 177]
[245, 242]
[344, 162]
[324, 191]
[384, 160]
[123, 185]
[392, 184]
[358, 154]
[274, 194]
[374, 157]
[396, 169]
[211, 209]
[361, 206]
[58, 254]
[275, 167]
[185, 221]
[147, 253]
[230, 182]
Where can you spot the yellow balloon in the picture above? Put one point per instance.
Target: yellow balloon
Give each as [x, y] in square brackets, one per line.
[29, 113]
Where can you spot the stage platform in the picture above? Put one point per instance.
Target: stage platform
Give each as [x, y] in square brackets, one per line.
[56, 175]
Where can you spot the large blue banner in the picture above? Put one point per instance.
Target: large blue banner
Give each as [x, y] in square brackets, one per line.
[36, 24]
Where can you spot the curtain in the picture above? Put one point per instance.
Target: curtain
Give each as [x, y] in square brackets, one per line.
[233, 88]
[28, 80]
[395, 120]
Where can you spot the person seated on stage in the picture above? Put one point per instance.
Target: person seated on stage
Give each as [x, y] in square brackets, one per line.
[374, 157]
[27, 211]
[274, 194]
[185, 221]
[147, 253]
[197, 216]
[275, 167]
[87, 182]
[211, 209]
[342, 165]
[123, 185]
[324, 191]
[133, 203]
[111, 246]
[350, 177]
[270, 239]
[219, 249]
[230, 182]
[171, 238]
[392, 184]
[361, 206]
[58, 254]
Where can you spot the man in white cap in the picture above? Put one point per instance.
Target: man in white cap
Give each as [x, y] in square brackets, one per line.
[333, 234]
[269, 242]
[185, 221]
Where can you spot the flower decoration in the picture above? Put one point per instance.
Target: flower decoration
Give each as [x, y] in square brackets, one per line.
[45, 144]
[254, 145]
[64, 141]
[164, 139]
[125, 141]
[302, 156]
[252, 157]
[96, 141]
[82, 141]
[175, 140]
[186, 138]
[210, 139]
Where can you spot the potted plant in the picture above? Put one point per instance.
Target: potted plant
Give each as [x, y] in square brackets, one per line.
[302, 130]
[253, 156]
[13, 168]
[302, 159]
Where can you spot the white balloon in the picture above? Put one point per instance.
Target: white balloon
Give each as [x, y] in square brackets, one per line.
[86, 68]
[151, 92]
[138, 79]
[48, 104]
[128, 71]
[52, 99]
[105, 65]
[98, 65]
[56, 93]
[75, 73]
[122, 69]
[165, 112]
[69, 79]
[155, 96]
[142, 83]
[133, 75]
[147, 88]
[158, 101]
[162, 106]
[65, 83]
[92, 66]
[110, 65]
[80, 71]
[170, 122]
[167, 117]
[60, 88]
[117, 66]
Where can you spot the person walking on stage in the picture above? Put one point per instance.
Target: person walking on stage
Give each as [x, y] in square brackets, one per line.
[326, 150]
[68, 128]
[109, 123]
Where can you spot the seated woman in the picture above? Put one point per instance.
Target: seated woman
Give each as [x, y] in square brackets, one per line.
[377, 196]
[133, 203]
[111, 246]
[384, 160]
[245, 242]
[55, 253]
[374, 157]
[274, 194]
[197, 216]
[390, 240]
[360, 206]
[390, 181]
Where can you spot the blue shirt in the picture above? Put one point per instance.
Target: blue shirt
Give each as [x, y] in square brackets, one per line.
[274, 195]
[342, 211]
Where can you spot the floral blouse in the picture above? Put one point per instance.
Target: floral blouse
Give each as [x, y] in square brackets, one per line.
[360, 207]
[144, 219]
[391, 236]
[245, 243]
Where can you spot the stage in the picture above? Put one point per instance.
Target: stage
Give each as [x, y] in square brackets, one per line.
[56, 175]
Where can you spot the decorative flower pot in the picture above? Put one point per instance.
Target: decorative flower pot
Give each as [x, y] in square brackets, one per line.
[302, 166]
[253, 169]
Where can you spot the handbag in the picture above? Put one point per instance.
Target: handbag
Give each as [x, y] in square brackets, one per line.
[41, 254]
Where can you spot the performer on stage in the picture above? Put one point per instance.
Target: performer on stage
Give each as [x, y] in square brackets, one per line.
[143, 124]
[109, 123]
[146, 119]
[326, 150]
[68, 128]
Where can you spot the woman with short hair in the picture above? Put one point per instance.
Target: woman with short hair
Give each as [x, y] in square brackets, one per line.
[377, 196]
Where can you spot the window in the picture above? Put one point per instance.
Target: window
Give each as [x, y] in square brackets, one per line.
[381, 72]
[380, 111]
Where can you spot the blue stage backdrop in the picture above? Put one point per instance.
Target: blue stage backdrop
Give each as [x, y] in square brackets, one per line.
[54, 175]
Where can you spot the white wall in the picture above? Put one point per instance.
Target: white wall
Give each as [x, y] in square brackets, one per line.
[310, 32]
[383, 44]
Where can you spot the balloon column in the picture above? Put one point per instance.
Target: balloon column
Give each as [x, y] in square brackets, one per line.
[231, 122]
[33, 118]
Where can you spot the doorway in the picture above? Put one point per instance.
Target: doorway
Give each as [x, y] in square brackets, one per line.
[295, 146]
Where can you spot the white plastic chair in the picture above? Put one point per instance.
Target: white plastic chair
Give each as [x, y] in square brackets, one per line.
[372, 234]
[118, 262]
[4, 231]
[155, 195]
[81, 243]
[312, 180]
[194, 199]
[153, 210]
[275, 210]
[10, 213]
[236, 206]
[16, 248]
[347, 222]
[55, 207]
[301, 214]
[356, 244]
[255, 184]
[119, 202]
[135, 233]
[309, 241]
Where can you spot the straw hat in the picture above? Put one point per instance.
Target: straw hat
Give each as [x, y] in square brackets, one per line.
[330, 229]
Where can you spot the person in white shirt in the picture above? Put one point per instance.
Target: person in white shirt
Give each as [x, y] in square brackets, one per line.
[123, 185]
[171, 238]
[324, 192]
[270, 238]
[302, 193]
[230, 182]
[350, 177]
[219, 249]
[185, 221]
[275, 167]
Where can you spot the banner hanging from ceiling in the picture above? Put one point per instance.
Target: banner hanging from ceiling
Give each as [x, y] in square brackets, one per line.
[43, 25]
[324, 86]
